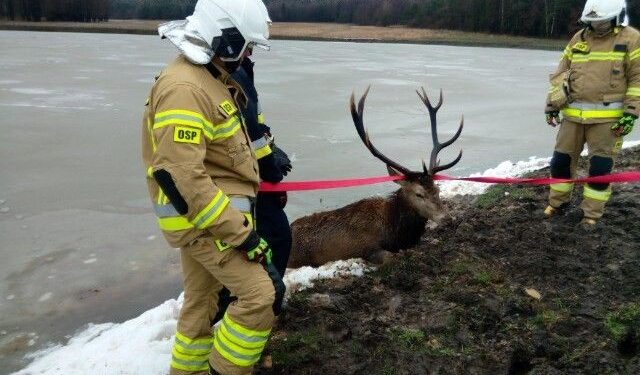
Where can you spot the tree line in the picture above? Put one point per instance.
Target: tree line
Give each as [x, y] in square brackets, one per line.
[55, 10]
[540, 18]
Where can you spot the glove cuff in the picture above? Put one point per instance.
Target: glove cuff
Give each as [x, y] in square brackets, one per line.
[251, 242]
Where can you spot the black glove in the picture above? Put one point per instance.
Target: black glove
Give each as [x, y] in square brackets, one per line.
[279, 287]
[269, 171]
[281, 160]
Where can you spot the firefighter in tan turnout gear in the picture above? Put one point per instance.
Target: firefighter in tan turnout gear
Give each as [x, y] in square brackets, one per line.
[203, 178]
[597, 90]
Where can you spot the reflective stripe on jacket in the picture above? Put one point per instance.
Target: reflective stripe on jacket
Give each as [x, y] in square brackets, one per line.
[604, 76]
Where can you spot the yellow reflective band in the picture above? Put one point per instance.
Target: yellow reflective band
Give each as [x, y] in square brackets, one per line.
[246, 342]
[190, 357]
[227, 128]
[153, 140]
[633, 91]
[245, 331]
[599, 56]
[173, 224]
[233, 357]
[565, 187]
[186, 345]
[238, 347]
[261, 119]
[567, 53]
[183, 117]
[591, 114]
[634, 55]
[191, 366]
[188, 362]
[263, 151]
[150, 172]
[212, 211]
[599, 195]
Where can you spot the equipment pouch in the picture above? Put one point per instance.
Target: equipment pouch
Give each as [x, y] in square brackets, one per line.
[559, 94]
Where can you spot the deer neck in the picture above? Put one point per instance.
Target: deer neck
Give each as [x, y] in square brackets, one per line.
[404, 226]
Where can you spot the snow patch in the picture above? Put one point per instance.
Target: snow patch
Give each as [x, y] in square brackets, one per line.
[90, 260]
[142, 346]
[45, 297]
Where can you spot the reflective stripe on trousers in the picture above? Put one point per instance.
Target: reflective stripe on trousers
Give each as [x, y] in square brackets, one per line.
[237, 344]
[599, 195]
[191, 354]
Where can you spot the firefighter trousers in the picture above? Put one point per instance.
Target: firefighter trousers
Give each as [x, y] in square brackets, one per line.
[603, 146]
[273, 226]
[235, 345]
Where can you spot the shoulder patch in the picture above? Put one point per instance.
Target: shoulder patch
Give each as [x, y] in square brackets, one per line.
[227, 108]
[184, 134]
[582, 47]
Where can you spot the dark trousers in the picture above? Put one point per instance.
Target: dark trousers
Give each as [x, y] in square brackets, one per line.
[273, 226]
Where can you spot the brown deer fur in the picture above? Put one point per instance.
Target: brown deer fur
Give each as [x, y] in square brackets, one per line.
[367, 228]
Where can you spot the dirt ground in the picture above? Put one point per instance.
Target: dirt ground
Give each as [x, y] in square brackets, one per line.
[496, 290]
[314, 31]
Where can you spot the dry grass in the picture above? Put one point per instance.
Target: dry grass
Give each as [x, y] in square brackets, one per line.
[315, 31]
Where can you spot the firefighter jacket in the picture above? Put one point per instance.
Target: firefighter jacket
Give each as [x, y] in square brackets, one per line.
[201, 171]
[602, 77]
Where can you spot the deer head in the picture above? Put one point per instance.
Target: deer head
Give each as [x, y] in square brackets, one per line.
[418, 188]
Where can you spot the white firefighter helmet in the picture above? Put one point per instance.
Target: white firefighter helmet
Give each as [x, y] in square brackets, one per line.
[605, 10]
[226, 27]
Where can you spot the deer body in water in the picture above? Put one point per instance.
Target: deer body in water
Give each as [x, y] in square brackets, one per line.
[372, 227]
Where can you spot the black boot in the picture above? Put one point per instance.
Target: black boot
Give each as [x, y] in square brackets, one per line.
[212, 371]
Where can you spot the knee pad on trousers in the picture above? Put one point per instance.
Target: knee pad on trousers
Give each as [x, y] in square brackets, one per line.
[600, 166]
[560, 165]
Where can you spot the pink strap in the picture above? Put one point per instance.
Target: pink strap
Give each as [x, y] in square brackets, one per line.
[336, 184]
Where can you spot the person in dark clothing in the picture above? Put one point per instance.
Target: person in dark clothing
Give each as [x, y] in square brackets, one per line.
[272, 222]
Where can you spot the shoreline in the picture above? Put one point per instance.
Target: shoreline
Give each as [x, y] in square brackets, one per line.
[326, 32]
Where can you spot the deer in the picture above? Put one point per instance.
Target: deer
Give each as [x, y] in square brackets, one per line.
[375, 228]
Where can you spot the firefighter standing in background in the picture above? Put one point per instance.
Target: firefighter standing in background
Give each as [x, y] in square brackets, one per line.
[203, 179]
[597, 90]
[272, 222]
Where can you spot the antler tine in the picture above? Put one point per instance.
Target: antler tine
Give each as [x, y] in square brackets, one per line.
[425, 99]
[440, 168]
[357, 116]
[434, 163]
[456, 136]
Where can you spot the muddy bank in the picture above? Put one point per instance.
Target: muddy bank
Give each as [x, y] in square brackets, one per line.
[314, 31]
[497, 290]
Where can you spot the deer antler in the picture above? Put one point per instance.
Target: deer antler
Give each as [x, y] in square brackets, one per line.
[357, 115]
[434, 163]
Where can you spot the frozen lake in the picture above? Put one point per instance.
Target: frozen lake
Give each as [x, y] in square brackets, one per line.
[78, 241]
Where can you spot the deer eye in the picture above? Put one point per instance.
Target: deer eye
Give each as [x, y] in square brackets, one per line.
[420, 195]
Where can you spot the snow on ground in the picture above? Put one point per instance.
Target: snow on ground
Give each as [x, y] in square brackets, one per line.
[142, 346]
